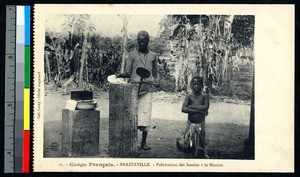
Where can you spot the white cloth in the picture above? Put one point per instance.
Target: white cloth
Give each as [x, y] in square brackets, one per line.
[71, 104]
[114, 80]
[145, 109]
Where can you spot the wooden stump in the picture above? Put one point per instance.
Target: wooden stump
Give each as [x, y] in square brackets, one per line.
[123, 104]
[80, 132]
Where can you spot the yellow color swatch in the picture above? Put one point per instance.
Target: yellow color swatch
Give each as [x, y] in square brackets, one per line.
[26, 108]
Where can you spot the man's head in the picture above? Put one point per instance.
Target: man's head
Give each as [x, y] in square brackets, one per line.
[197, 84]
[143, 40]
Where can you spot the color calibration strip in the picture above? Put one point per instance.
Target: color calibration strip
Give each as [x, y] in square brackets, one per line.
[22, 117]
[17, 81]
[26, 135]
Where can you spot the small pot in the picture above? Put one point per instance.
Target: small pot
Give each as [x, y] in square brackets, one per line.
[86, 104]
[143, 72]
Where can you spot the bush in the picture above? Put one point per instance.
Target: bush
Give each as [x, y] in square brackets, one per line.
[166, 80]
[167, 84]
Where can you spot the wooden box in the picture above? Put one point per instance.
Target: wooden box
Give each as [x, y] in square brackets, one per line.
[123, 104]
[81, 95]
[80, 133]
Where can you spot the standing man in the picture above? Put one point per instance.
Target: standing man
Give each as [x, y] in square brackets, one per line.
[142, 57]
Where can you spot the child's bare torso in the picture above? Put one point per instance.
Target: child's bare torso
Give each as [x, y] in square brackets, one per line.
[197, 100]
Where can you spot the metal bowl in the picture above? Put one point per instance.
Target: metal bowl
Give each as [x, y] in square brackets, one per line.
[86, 104]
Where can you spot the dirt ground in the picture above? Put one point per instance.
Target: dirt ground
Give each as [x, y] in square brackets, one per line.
[227, 126]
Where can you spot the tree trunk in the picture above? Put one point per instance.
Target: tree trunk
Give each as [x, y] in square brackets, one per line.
[184, 75]
[124, 43]
[59, 57]
[178, 73]
[58, 75]
[186, 70]
[225, 65]
[70, 80]
[82, 62]
[48, 71]
[251, 129]
[87, 71]
[250, 142]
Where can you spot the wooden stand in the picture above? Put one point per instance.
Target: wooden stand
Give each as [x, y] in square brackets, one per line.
[123, 104]
[80, 132]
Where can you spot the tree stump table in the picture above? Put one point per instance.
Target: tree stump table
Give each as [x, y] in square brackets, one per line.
[123, 105]
[80, 133]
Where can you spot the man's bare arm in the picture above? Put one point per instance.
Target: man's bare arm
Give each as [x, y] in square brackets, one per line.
[204, 107]
[185, 107]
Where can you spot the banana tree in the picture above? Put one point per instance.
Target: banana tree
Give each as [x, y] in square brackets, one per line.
[181, 36]
[214, 43]
[56, 43]
[214, 36]
[86, 48]
[78, 26]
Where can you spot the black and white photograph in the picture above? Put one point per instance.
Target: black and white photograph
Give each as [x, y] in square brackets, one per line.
[149, 86]
[176, 90]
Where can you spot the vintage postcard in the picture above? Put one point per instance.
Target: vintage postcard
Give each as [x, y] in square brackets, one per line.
[163, 88]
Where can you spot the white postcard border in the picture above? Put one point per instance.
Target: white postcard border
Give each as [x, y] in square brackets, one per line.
[274, 91]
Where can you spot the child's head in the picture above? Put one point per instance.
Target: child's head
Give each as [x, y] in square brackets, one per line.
[197, 84]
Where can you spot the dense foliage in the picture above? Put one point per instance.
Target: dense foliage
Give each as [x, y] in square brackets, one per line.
[218, 43]
[211, 46]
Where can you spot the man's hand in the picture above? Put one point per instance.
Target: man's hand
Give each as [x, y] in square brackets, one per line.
[152, 83]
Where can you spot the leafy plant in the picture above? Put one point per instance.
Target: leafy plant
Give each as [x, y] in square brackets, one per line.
[214, 39]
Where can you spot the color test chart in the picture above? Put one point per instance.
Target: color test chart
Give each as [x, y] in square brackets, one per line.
[17, 90]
